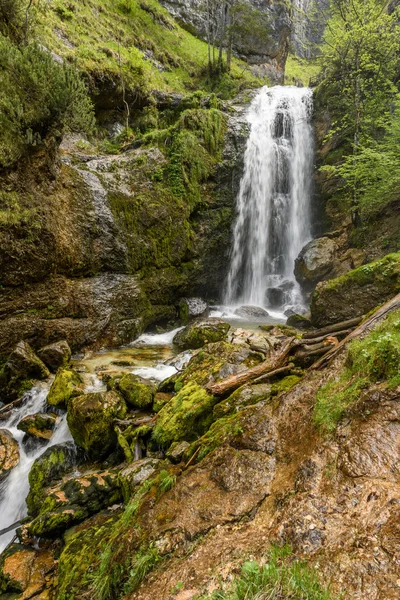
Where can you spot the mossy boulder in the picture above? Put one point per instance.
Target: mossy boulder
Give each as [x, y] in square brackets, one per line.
[135, 474]
[66, 385]
[38, 425]
[186, 416]
[74, 500]
[315, 262]
[298, 321]
[136, 391]
[201, 332]
[214, 362]
[51, 466]
[244, 396]
[21, 367]
[91, 421]
[9, 453]
[357, 292]
[160, 400]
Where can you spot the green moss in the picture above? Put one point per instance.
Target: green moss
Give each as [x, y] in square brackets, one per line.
[284, 384]
[187, 415]
[198, 334]
[372, 359]
[242, 397]
[50, 466]
[66, 385]
[91, 421]
[136, 393]
[385, 271]
[223, 431]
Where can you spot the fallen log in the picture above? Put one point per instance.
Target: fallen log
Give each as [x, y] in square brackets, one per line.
[333, 328]
[314, 352]
[287, 367]
[277, 360]
[367, 325]
[321, 338]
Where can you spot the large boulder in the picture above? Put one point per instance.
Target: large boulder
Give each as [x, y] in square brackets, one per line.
[315, 262]
[192, 308]
[357, 292]
[251, 312]
[21, 367]
[9, 453]
[135, 474]
[51, 466]
[71, 501]
[55, 355]
[66, 385]
[186, 416]
[136, 391]
[91, 421]
[201, 332]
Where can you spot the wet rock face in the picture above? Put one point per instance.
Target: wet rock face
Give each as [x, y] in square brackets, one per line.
[28, 573]
[201, 332]
[91, 421]
[251, 312]
[55, 355]
[192, 308]
[9, 453]
[21, 365]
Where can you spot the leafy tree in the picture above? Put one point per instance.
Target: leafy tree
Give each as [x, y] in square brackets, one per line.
[360, 62]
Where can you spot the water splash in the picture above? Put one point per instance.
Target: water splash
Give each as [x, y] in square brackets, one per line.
[273, 204]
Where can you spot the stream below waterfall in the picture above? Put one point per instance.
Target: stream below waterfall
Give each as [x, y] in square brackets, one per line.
[148, 356]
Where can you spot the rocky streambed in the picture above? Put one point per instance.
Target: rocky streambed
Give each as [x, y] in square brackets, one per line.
[159, 488]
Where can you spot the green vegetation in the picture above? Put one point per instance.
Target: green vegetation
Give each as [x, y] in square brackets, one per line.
[373, 359]
[301, 70]
[39, 97]
[282, 576]
[360, 66]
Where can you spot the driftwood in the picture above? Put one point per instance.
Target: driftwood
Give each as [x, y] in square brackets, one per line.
[230, 384]
[4, 410]
[333, 328]
[368, 324]
[287, 367]
[314, 351]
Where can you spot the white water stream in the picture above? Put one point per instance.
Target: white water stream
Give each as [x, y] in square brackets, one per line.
[273, 204]
[15, 487]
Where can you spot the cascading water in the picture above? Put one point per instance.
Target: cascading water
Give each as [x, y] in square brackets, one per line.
[15, 487]
[273, 204]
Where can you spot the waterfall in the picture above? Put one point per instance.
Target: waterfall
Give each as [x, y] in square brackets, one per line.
[273, 204]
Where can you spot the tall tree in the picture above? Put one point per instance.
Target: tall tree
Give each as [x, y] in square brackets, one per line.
[360, 62]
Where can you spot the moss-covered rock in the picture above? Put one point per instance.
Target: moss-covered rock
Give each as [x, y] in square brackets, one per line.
[214, 362]
[52, 465]
[244, 396]
[73, 501]
[9, 453]
[135, 474]
[284, 384]
[39, 425]
[298, 321]
[201, 332]
[186, 416]
[357, 292]
[160, 400]
[66, 385]
[91, 421]
[137, 391]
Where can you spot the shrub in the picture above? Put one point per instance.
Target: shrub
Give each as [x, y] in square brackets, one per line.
[39, 96]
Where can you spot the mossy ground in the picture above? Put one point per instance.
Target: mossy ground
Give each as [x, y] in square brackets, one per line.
[135, 42]
[374, 359]
[301, 70]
